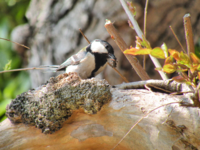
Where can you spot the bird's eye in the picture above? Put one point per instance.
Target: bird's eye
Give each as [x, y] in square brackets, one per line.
[106, 46]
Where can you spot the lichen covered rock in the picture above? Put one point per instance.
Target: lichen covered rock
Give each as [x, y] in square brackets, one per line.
[48, 106]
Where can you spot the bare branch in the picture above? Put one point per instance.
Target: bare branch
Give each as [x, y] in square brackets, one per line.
[188, 33]
[122, 45]
[23, 69]
[177, 38]
[15, 43]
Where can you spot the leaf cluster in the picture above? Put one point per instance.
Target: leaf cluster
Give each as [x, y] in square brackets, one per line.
[175, 61]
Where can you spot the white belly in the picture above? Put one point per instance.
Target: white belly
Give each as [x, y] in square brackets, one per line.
[84, 68]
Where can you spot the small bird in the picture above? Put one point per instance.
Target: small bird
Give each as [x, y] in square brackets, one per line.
[91, 60]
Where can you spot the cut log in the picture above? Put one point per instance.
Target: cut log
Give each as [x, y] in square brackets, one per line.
[169, 127]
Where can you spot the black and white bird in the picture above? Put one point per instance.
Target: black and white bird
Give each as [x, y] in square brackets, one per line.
[89, 61]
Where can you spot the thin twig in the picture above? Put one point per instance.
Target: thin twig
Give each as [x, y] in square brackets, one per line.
[15, 43]
[24, 69]
[108, 63]
[145, 24]
[141, 120]
[122, 45]
[150, 86]
[145, 17]
[119, 74]
[144, 61]
[84, 36]
[132, 19]
[140, 34]
[188, 33]
[177, 38]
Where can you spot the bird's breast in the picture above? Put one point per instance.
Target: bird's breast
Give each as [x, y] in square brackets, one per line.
[84, 68]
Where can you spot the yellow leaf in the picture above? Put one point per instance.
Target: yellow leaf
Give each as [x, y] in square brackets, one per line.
[134, 51]
[169, 60]
[158, 53]
[169, 68]
[199, 75]
[174, 54]
[194, 58]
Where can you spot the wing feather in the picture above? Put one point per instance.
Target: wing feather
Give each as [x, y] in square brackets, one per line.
[73, 60]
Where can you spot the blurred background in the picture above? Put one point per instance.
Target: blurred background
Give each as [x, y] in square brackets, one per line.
[51, 29]
[12, 14]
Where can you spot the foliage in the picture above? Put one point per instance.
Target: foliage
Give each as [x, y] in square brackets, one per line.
[174, 61]
[12, 84]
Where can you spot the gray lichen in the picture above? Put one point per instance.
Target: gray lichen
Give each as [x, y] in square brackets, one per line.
[48, 106]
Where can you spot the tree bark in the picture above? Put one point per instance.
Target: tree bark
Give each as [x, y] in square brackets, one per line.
[169, 127]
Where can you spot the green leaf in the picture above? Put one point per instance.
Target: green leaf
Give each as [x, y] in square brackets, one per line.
[158, 53]
[198, 68]
[8, 65]
[145, 43]
[169, 68]
[184, 59]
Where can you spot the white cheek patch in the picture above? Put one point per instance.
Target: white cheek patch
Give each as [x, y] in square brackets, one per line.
[97, 47]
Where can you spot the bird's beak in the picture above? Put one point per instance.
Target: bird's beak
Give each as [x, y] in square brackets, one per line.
[112, 56]
[113, 59]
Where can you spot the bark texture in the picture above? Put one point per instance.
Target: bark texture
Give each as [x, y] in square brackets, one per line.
[170, 127]
[52, 32]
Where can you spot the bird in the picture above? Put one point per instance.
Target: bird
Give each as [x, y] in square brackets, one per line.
[89, 61]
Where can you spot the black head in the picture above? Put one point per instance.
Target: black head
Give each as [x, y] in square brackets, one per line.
[101, 47]
[102, 51]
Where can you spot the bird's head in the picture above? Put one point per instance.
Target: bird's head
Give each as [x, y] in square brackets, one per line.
[102, 47]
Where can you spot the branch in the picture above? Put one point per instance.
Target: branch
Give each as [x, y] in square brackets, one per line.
[140, 34]
[122, 45]
[145, 17]
[15, 43]
[23, 69]
[145, 24]
[188, 33]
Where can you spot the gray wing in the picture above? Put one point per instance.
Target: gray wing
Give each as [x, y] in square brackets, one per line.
[73, 60]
